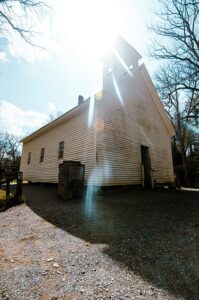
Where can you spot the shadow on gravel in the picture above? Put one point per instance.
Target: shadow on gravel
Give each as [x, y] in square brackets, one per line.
[153, 233]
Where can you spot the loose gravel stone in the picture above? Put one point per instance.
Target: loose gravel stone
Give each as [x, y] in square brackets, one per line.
[131, 245]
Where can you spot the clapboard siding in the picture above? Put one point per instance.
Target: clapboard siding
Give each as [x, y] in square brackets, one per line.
[124, 119]
[125, 128]
[111, 147]
[79, 145]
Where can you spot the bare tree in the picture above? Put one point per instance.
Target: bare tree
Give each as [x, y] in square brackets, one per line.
[18, 16]
[3, 147]
[182, 107]
[177, 29]
[9, 147]
[12, 147]
[176, 45]
[53, 116]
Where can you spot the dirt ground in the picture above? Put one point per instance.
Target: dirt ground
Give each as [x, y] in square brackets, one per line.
[124, 245]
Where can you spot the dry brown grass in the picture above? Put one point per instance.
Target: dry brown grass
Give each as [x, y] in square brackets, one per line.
[2, 195]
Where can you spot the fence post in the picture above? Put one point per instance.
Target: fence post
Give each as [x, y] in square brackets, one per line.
[7, 188]
[19, 184]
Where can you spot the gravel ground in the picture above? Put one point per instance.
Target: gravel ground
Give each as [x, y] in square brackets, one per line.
[130, 245]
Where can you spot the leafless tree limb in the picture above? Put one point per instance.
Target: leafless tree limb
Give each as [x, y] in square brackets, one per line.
[15, 17]
[177, 30]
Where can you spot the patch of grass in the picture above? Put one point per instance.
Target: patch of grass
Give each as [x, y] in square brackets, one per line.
[2, 199]
[2, 195]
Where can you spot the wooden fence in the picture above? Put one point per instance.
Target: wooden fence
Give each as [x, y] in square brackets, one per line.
[7, 179]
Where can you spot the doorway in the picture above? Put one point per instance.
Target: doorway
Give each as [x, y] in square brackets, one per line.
[146, 167]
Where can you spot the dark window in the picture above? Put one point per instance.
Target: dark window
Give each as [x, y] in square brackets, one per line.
[61, 150]
[146, 163]
[42, 154]
[29, 158]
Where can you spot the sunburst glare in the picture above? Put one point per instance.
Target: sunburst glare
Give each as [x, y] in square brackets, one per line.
[91, 111]
[122, 62]
[90, 25]
[117, 89]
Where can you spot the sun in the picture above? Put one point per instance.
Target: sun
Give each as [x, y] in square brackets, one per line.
[90, 25]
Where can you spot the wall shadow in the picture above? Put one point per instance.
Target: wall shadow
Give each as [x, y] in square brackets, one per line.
[153, 233]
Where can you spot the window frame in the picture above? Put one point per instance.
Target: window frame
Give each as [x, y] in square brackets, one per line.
[61, 150]
[42, 153]
[29, 158]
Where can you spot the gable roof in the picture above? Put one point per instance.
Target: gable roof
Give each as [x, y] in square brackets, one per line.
[75, 110]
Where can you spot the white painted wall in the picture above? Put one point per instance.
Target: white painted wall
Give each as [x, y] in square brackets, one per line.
[79, 143]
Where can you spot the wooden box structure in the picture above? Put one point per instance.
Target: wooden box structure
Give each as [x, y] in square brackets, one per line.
[71, 179]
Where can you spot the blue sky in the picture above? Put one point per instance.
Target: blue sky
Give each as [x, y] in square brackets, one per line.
[35, 83]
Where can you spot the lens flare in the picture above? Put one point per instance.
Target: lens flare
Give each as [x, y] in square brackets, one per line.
[90, 193]
[99, 173]
[91, 111]
[117, 89]
[122, 62]
[99, 124]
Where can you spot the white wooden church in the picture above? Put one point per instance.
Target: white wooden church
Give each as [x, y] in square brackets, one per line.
[121, 134]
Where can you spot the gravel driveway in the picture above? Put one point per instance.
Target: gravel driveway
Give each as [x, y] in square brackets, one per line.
[128, 245]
